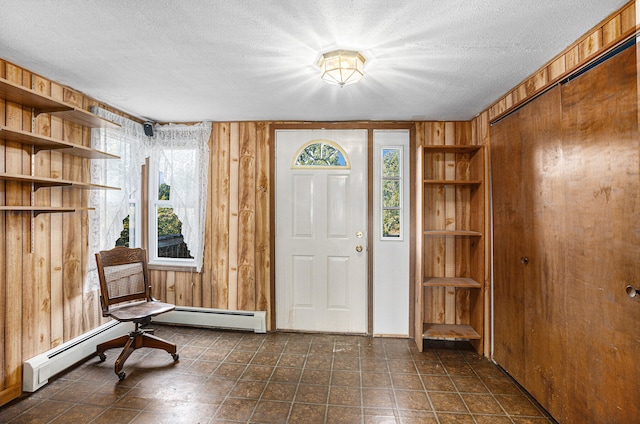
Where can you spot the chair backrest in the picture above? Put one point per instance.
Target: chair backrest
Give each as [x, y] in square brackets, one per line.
[123, 276]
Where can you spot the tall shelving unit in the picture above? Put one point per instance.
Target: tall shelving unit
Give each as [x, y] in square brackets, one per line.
[450, 284]
[40, 103]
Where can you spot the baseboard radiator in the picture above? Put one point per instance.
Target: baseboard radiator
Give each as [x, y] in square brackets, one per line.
[37, 370]
[255, 321]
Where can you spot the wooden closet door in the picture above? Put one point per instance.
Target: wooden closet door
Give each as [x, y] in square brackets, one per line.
[602, 241]
[545, 332]
[566, 195]
[508, 235]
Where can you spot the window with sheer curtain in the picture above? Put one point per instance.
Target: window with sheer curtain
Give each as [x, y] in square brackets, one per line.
[178, 158]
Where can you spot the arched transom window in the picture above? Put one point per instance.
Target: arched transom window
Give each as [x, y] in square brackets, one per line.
[321, 154]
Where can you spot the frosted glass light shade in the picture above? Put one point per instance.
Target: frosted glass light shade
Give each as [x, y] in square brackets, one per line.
[341, 67]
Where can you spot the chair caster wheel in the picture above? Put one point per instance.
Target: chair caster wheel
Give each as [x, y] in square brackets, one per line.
[102, 357]
[122, 375]
[175, 356]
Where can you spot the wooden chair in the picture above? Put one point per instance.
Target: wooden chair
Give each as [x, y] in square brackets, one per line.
[126, 296]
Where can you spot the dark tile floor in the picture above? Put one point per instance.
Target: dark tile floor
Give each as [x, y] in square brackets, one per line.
[231, 377]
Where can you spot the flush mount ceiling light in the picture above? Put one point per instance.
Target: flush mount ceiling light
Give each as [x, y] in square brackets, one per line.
[341, 67]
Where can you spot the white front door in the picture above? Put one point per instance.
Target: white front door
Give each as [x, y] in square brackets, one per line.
[321, 230]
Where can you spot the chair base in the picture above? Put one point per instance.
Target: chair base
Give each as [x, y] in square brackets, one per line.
[135, 340]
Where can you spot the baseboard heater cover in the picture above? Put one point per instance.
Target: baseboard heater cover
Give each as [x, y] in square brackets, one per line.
[37, 370]
[215, 318]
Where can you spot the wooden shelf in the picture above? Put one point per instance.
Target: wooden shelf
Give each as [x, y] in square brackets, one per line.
[53, 182]
[452, 233]
[84, 118]
[451, 149]
[42, 142]
[452, 182]
[451, 282]
[42, 103]
[449, 332]
[37, 210]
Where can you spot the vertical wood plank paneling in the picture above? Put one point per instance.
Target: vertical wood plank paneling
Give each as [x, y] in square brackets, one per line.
[262, 218]
[13, 253]
[72, 240]
[220, 216]
[234, 165]
[158, 284]
[556, 69]
[197, 290]
[183, 288]
[91, 310]
[73, 278]
[612, 30]
[42, 233]
[450, 224]
[435, 218]
[590, 46]
[206, 278]
[29, 291]
[628, 18]
[170, 286]
[56, 239]
[246, 217]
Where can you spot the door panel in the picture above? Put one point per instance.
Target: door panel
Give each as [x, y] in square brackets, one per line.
[337, 197]
[321, 280]
[545, 323]
[602, 182]
[303, 224]
[508, 246]
[565, 328]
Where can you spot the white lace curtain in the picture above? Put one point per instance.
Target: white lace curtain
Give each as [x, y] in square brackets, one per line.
[182, 155]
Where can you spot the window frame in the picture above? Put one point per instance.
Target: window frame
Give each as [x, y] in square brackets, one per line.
[399, 179]
[152, 205]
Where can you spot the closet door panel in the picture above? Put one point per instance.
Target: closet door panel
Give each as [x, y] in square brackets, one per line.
[602, 186]
[545, 332]
[508, 234]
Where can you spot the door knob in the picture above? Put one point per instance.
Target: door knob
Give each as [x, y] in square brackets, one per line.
[358, 248]
[632, 291]
[524, 260]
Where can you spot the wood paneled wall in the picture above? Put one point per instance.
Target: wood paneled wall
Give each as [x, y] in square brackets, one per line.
[237, 263]
[43, 258]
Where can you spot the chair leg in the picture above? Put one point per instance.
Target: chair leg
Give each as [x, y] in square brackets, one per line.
[111, 344]
[129, 347]
[135, 340]
[151, 341]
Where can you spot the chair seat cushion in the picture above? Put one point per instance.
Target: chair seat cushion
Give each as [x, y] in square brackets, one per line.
[140, 310]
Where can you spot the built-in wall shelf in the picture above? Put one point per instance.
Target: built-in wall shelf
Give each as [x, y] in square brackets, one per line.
[37, 210]
[42, 103]
[463, 283]
[42, 142]
[463, 233]
[449, 332]
[449, 288]
[52, 182]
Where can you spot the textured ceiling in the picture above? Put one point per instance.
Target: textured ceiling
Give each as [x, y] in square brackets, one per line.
[236, 60]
